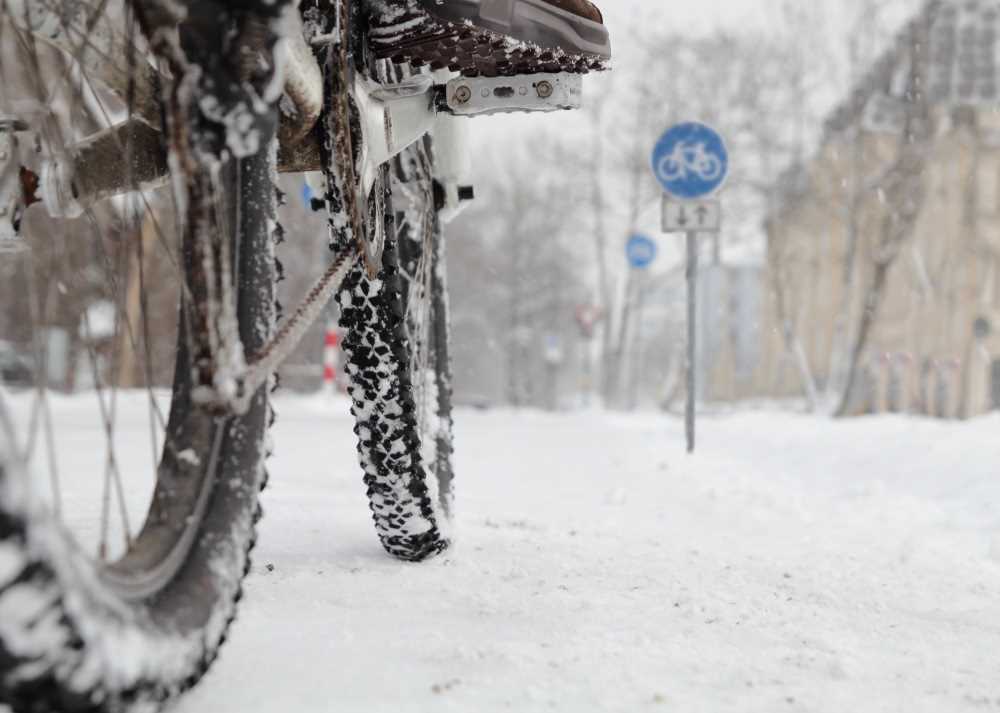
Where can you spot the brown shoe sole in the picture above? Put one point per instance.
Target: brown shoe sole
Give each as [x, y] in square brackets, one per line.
[489, 37]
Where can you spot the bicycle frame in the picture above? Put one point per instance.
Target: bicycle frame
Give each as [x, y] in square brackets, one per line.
[392, 118]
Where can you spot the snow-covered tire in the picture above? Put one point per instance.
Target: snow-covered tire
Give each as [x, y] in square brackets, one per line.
[69, 643]
[403, 496]
[79, 636]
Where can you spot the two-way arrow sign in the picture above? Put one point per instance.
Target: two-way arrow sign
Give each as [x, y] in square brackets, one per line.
[701, 216]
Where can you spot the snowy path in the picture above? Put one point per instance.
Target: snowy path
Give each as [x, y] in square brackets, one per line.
[792, 565]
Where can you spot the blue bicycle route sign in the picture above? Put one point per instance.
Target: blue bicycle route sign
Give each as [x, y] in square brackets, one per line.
[690, 160]
[640, 250]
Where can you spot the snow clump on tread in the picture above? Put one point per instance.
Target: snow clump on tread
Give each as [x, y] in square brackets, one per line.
[377, 365]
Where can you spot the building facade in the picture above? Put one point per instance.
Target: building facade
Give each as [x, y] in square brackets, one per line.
[917, 300]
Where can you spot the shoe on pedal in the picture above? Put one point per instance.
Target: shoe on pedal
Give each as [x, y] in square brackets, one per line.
[491, 38]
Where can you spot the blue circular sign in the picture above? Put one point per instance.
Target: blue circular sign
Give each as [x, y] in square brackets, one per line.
[307, 193]
[640, 250]
[690, 160]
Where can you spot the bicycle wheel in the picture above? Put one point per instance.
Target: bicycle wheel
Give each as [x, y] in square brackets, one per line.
[397, 369]
[709, 168]
[142, 619]
[401, 445]
[671, 169]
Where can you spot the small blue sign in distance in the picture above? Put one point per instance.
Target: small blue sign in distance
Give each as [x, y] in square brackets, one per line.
[307, 193]
[690, 160]
[640, 251]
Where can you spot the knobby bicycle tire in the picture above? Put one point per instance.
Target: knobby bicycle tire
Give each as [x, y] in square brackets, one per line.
[409, 495]
[68, 642]
[406, 465]
[77, 635]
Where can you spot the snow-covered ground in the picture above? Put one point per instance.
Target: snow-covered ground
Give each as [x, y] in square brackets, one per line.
[792, 564]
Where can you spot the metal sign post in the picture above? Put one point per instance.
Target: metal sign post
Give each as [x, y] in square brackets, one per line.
[691, 162]
[640, 251]
[691, 273]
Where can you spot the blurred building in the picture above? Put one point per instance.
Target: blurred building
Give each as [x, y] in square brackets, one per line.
[934, 342]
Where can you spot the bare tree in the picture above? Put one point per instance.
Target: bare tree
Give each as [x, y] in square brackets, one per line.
[864, 40]
[516, 274]
[901, 192]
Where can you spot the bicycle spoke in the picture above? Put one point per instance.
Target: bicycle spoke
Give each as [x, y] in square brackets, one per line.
[77, 51]
[105, 368]
[157, 418]
[107, 412]
[45, 406]
[50, 445]
[102, 544]
[147, 352]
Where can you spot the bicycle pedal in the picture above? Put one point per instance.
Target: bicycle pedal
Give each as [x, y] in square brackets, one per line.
[496, 38]
[468, 96]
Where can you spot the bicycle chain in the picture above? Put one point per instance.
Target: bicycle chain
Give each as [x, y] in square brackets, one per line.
[348, 237]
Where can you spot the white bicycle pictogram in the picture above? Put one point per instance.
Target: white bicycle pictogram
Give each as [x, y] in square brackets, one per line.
[689, 158]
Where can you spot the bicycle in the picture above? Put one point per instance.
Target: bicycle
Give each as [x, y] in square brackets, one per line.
[156, 173]
[686, 158]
